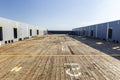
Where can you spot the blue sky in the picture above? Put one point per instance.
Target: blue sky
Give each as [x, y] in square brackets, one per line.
[61, 14]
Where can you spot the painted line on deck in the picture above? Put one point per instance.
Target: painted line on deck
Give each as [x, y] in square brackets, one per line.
[59, 55]
[16, 69]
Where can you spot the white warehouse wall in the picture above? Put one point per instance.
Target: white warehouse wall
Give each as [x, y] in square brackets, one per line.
[23, 30]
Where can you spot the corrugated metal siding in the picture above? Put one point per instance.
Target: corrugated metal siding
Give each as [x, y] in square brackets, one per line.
[115, 25]
[23, 30]
[87, 31]
[102, 31]
[92, 29]
[7, 26]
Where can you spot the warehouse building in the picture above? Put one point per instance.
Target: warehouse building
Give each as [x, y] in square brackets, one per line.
[11, 31]
[77, 31]
[108, 31]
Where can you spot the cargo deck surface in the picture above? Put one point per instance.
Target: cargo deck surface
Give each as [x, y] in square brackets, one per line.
[58, 57]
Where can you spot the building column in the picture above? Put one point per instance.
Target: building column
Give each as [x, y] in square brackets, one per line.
[96, 30]
[107, 32]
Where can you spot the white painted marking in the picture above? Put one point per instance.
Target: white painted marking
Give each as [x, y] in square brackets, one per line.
[99, 43]
[16, 69]
[73, 75]
[62, 48]
[77, 68]
[71, 64]
[116, 47]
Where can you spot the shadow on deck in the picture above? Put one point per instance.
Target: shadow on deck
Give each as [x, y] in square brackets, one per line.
[109, 48]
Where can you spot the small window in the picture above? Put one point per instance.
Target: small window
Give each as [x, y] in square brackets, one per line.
[5, 42]
[20, 39]
[8, 41]
[12, 41]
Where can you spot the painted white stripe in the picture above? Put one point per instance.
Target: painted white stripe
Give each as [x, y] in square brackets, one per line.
[16, 69]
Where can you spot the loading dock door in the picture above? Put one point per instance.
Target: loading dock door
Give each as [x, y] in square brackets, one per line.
[15, 32]
[30, 32]
[37, 32]
[84, 33]
[91, 33]
[110, 33]
[1, 34]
